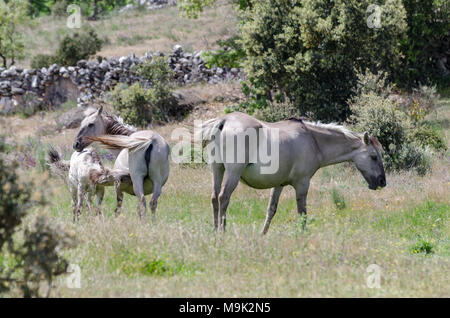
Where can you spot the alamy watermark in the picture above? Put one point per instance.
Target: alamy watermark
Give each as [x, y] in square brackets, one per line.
[258, 146]
[74, 19]
[373, 280]
[73, 279]
[374, 19]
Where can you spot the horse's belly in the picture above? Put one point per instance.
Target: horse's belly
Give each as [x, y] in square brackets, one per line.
[148, 187]
[253, 177]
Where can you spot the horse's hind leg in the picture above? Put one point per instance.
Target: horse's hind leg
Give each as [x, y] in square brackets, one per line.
[138, 188]
[232, 176]
[301, 192]
[119, 198]
[217, 176]
[272, 208]
[100, 193]
[154, 200]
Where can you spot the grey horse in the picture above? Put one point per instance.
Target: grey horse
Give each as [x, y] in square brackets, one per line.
[303, 148]
[143, 154]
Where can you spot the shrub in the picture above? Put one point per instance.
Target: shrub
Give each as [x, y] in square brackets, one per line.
[59, 9]
[35, 257]
[78, 46]
[426, 135]
[422, 101]
[230, 55]
[381, 118]
[43, 60]
[132, 104]
[309, 50]
[158, 75]
[338, 199]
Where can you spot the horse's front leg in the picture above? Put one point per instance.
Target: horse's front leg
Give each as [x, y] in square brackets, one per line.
[119, 198]
[301, 192]
[100, 193]
[272, 208]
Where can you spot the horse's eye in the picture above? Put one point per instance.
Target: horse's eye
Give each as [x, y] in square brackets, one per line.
[374, 158]
[91, 125]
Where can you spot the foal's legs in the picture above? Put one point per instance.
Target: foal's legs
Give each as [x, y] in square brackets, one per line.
[74, 199]
[217, 172]
[272, 208]
[301, 191]
[80, 200]
[233, 173]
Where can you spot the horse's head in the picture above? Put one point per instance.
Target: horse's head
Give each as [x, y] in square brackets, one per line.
[92, 125]
[369, 163]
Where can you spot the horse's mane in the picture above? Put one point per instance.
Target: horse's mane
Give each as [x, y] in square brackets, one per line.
[116, 126]
[351, 135]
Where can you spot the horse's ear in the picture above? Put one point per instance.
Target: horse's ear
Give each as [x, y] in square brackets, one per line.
[100, 110]
[366, 138]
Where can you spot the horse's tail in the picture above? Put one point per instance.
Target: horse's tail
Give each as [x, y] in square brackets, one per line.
[58, 166]
[119, 142]
[209, 129]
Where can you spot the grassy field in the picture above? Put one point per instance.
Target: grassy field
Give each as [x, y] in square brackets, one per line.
[404, 229]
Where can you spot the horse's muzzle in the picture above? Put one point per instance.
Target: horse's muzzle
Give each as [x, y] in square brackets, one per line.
[78, 145]
[381, 181]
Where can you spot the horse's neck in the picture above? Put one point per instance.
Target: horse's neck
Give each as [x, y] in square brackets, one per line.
[333, 147]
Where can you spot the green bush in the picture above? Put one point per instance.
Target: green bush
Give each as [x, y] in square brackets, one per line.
[230, 55]
[132, 103]
[309, 50]
[59, 9]
[43, 60]
[28, 255]
[78, 46]
[426, 135]
[380, 117]
[159, 75]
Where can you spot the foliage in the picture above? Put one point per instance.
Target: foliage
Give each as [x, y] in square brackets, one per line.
[43, 60]
[78, 46]
[13, 13]
[309, 51]
[426, 135]
[159, 76]
[338, 199]
[426, 42]
[230, 55]
[59, 9]
[38, 7]
[132, 104]
[192, 8]
[36, 257]
[29, 105]
[380, 116]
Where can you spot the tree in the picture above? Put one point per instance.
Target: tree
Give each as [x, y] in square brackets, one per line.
[192, 8]
[426, 46]
[309, 51]
[12, 14]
